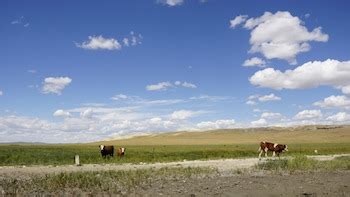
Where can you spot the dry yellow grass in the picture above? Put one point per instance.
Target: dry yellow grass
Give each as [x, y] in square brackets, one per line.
[289, 135]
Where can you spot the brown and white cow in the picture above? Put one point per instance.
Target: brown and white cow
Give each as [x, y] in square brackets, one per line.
[106, 151]
[275, 148]
[121, 151]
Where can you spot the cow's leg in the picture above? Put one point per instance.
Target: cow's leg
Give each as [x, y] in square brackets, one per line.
[261, 151]
[273, 154]
[266, 149]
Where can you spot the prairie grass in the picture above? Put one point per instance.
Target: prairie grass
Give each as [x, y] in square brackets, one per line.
[64, 154]
[302, 163]
[111, 182]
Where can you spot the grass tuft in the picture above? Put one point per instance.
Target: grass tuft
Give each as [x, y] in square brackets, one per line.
[302, 163]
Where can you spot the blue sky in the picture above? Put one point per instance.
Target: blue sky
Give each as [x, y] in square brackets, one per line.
[76, 71]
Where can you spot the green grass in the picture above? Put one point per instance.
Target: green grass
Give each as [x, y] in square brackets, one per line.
[111, 182]
[302, 163]
[64, 154]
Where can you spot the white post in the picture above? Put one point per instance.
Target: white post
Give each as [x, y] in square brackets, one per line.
[77, 162]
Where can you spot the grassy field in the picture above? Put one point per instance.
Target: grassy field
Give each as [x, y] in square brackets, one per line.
[185, 146]
[109, 182]
[302, 163]
[288, 135]
[64, 154]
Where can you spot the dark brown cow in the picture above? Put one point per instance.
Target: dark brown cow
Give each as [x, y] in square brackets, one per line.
[275, 148]
[121, 151]
[106, 151]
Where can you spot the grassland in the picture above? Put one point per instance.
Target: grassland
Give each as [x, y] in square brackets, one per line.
[109, 182]
[302, 163]
[288, 135]
[185, 146]
[64, 154]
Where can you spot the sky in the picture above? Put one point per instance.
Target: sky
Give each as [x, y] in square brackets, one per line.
[82, 71]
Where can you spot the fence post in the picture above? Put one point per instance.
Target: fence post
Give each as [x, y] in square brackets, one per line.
[77, 162]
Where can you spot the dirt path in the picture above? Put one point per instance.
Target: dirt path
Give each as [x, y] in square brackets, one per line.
[222, 165]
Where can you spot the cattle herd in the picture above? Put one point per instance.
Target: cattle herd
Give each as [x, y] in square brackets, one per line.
[108, 150]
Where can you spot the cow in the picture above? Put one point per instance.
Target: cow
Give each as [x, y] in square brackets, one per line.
[121, 151]
[106, 151]
[275, 148]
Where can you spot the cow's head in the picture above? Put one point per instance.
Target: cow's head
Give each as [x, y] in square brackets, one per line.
[285, 147]
[102, 147]
[122, 149]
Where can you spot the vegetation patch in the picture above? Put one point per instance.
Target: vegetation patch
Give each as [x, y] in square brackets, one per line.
[302, 163]
[116, 182]
[11, 155]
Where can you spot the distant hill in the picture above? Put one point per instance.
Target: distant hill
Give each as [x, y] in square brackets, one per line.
[300, 134]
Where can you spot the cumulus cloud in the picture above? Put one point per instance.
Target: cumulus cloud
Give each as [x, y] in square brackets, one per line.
[159, 86]
[188, 85]
[238, 20]
[252, 100]
[339, 117]
[218, 124]
[166, 85]
[120, 97]
[184, 114]
[88, 113]
[55, 85]
[255, 61]
[171, 3]
[281, 35]
[100, 43]
[271, 115]
[259, 123]
[270, 97]
[308, 114]
[61, 113]
[309, 75]
[342, 102]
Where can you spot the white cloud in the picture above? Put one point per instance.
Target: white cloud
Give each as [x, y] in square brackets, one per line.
[271, 115]
[255, 61]
[61, 113]
[309, 75]
[167, 85]
[1, 93]
[99, 42]
[308, 114]
[281, 36]
[88, 113]
[159, 86]
[120, 97]
[339, 117]
[32, 71]
[20, 21]
[188, 85]
[238, 20]
[342, 102]
[171, 3]
[252, 100]
[126, 42]
[55, 85]
[183, 114]
[210, 98]
[218, 124]
[259, 123]
[270, 97]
